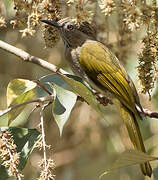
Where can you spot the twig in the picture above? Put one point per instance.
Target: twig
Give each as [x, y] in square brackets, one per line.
[150, 114]
[37, 106]
[38, 100]
[43, 139]
[42, 86]
[47, 164]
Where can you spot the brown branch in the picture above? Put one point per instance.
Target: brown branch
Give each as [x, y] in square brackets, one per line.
[150, 114]
[28, 58]
[35, 60]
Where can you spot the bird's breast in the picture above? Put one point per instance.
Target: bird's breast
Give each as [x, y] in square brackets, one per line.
[72, 56]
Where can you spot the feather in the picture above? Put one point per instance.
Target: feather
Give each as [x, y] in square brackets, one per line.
[105, 71]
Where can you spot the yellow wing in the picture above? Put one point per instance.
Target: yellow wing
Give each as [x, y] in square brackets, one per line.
[104, 69]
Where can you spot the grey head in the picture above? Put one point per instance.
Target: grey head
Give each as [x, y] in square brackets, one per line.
[72, 34]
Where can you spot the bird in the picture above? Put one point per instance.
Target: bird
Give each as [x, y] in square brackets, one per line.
[92, 61]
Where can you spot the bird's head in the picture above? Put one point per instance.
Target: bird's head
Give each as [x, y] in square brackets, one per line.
[73, 35]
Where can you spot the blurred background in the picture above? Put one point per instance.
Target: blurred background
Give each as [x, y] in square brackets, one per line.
[88, 146]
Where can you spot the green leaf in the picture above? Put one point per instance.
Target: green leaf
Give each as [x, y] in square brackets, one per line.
[77, 86]
[19, 91]
[25, 140]
[81, 89]
[64, 101]
[62, 106]
[4, 120]
[22, 118]
[56, 79]
[129, 158]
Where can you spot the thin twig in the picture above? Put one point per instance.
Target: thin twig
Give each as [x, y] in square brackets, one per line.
[47, 174]
[43, 139]
[150, 114]
[42, 86]
[38, 100]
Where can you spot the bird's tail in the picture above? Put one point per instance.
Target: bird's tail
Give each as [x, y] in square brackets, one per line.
[130, 120]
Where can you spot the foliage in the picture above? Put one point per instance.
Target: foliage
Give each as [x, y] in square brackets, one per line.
[129, 158]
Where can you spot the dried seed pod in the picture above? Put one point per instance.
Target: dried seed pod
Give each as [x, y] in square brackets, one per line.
[8, 153]
[50, 35]
[132, 15]
[147, 59]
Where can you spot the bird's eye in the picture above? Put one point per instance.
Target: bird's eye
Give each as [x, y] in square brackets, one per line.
[70, 27]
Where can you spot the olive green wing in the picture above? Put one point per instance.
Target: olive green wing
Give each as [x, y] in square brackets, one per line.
[104, 69]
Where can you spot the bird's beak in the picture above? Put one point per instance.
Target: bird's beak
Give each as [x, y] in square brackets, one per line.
[52, 23]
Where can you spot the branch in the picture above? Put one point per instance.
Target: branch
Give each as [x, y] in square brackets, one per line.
[38, 100]
[28, 58]
[150, 114]
[35, 60]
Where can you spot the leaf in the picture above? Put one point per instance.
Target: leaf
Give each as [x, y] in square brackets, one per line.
[22, 118]
[19, 91]
[17, 87]
[25, 140]
[77, 86]
[62, 106]
[3, 120]
[56, 79]
[129, 158]
[81, 89]
[64, 101]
